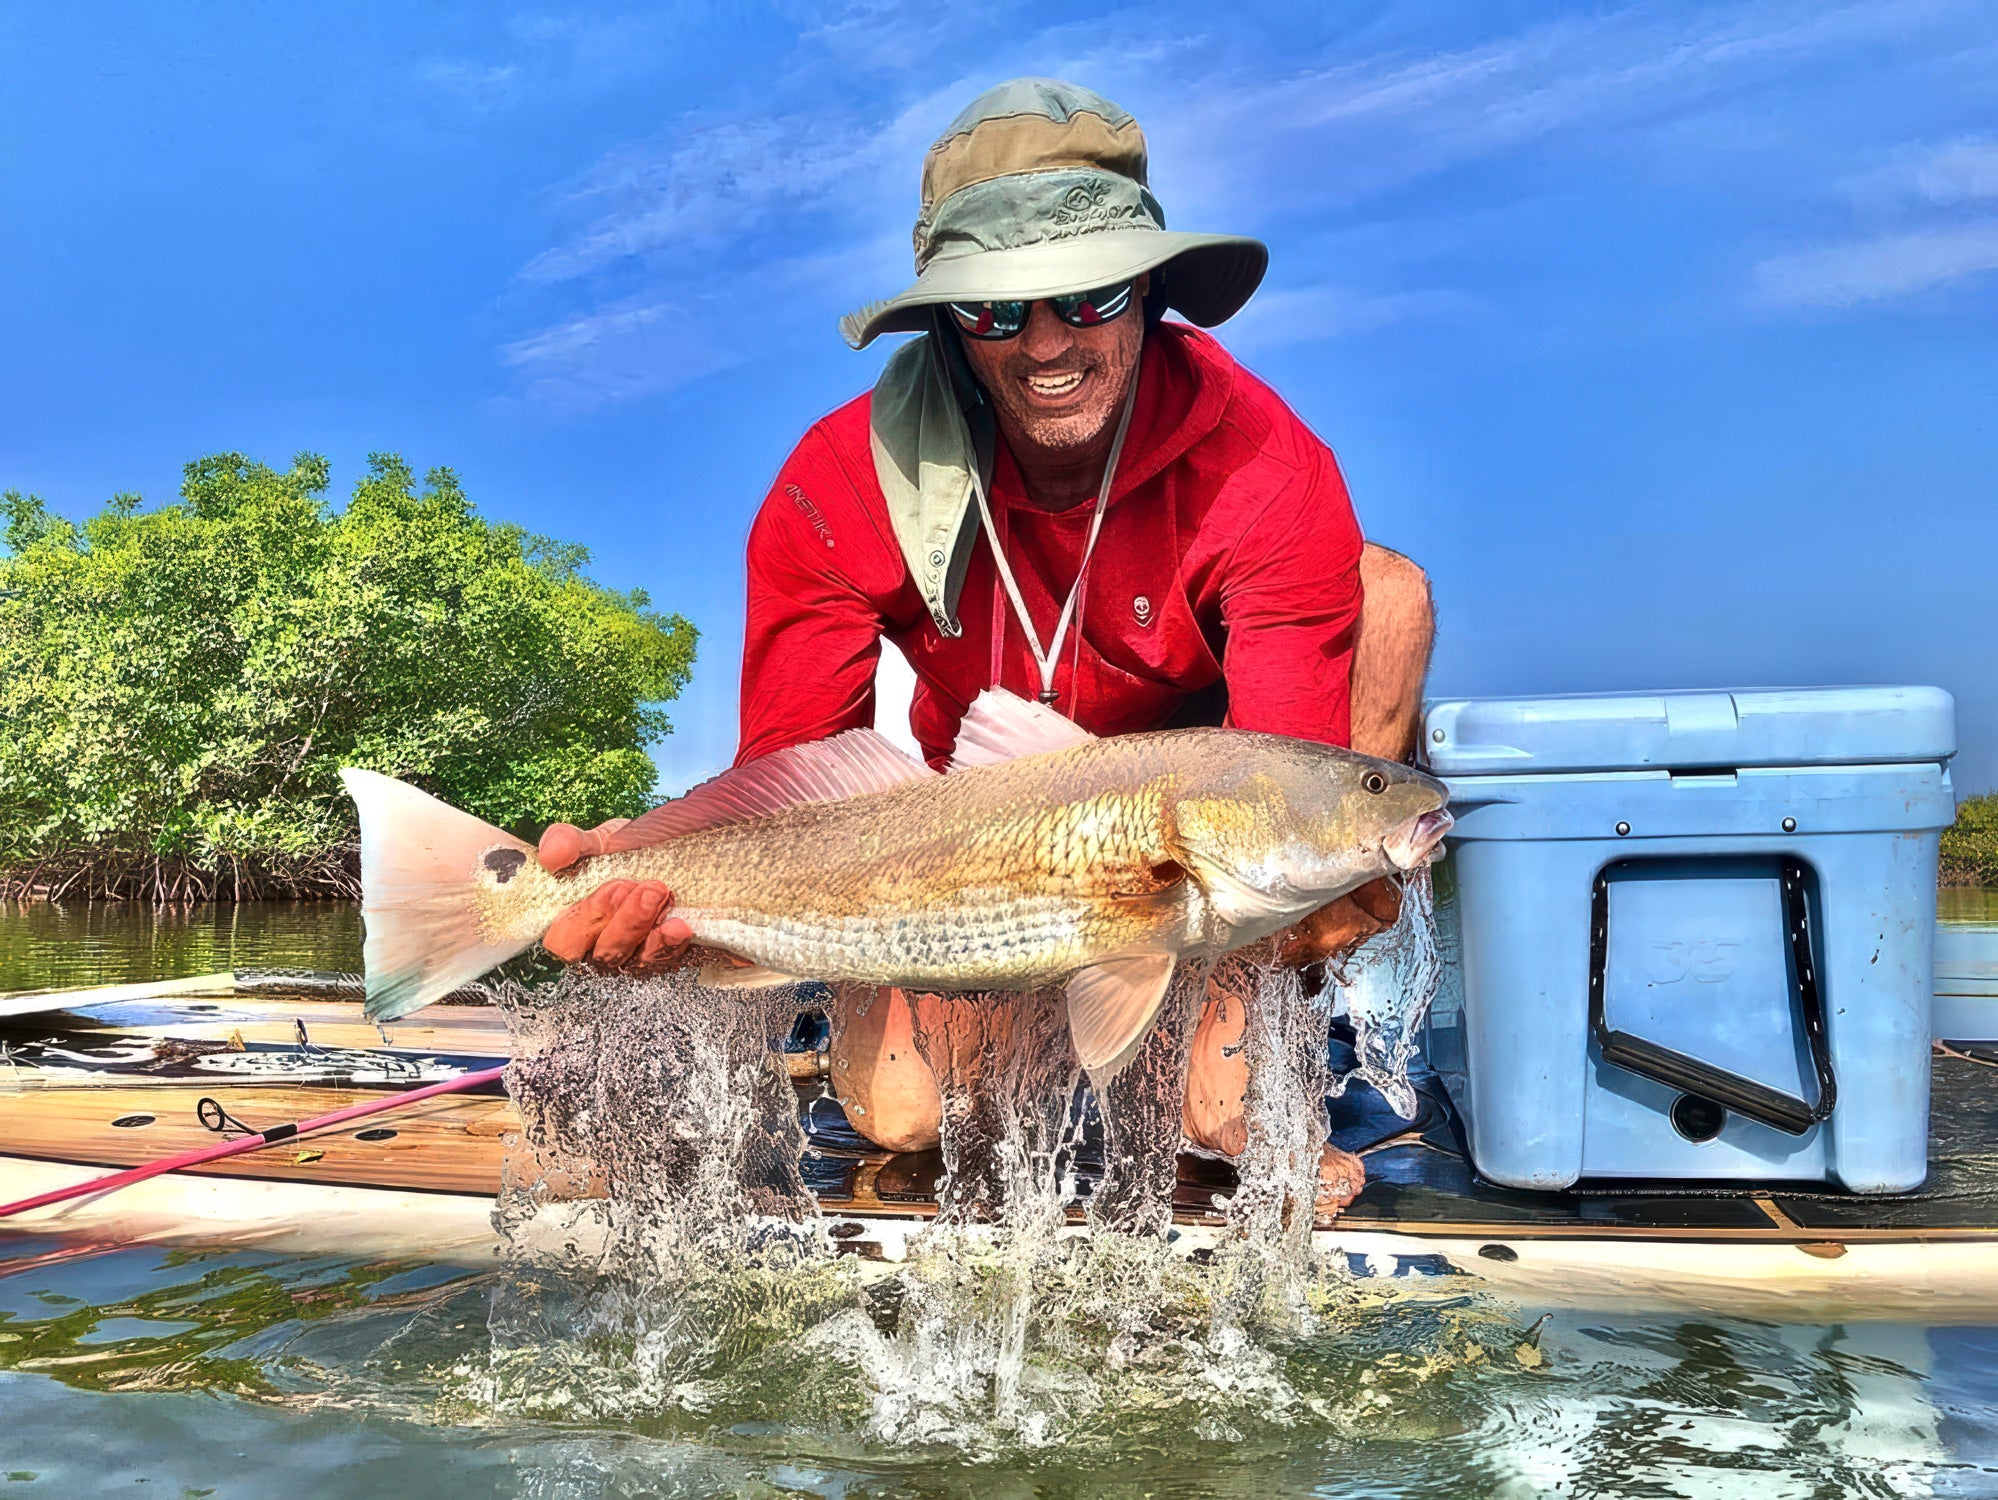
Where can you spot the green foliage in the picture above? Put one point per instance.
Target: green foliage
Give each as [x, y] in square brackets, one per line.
[1970, 848]
[180, 687]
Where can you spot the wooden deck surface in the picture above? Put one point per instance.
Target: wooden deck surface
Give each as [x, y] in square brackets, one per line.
[450, 1144]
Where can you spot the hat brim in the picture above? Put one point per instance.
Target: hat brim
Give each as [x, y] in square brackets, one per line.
[1210, 277]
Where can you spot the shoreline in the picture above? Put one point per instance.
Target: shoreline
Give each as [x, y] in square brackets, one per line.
[123, 878]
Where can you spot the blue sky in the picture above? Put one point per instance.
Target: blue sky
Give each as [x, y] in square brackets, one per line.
[1662, 334]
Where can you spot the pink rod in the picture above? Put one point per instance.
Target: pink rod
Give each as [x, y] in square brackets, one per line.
[245, 1143]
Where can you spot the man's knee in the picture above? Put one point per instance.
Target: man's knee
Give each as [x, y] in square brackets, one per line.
[1214, 1114]
[888, 1091]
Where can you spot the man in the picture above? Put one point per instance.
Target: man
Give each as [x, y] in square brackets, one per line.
[1054, 491]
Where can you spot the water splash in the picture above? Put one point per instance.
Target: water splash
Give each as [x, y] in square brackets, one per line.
[661, 1243]
[1141, 1110]
[1388, 985]
[1006, 1077]
[666, 1265]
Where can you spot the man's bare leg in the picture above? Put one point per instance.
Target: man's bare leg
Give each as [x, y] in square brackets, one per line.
[1390, 664]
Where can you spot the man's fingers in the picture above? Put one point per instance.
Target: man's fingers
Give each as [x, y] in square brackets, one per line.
[564, 844]
[571, 935]
[633, 916]
[664, 945]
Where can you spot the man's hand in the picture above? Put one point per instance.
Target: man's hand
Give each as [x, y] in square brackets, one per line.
[625, 925]
[1336, 929]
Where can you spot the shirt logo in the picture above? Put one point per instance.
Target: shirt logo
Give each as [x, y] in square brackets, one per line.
[1142, 608]
[810, 512]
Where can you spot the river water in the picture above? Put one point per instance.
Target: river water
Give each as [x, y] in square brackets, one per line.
[234, 1373]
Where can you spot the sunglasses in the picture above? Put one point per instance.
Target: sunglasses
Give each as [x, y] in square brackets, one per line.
[1004, 320]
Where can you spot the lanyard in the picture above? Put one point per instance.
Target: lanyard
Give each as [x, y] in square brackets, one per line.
[1070, 613]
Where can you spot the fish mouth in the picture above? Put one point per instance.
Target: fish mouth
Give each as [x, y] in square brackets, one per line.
[1416, 841]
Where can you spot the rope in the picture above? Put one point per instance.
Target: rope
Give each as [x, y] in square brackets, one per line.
[1047, 660]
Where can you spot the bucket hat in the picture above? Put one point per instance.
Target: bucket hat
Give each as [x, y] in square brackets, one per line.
[1038, 190]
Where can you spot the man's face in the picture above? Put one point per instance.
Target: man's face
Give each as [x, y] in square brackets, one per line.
[1058, 388]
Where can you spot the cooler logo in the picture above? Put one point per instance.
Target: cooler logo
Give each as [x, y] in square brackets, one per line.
[1706, 960]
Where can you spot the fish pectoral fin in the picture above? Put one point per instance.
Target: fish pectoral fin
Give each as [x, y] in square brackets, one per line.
[1111, 1007]
[745, 977]
[1001, 726]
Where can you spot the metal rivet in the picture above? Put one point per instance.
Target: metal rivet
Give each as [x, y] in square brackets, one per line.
[1437, 735]
[1789, 825]
[1622, 829]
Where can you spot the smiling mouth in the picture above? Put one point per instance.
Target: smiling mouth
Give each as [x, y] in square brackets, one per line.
[1054, 387]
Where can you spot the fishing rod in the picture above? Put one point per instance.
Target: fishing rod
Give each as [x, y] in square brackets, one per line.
[255, 1141]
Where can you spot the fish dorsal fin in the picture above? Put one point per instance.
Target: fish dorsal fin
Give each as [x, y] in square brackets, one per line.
[1111, 1007]
[846, 765]
[1004, 726]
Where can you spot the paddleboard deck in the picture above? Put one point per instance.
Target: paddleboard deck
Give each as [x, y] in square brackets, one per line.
[88, 1090]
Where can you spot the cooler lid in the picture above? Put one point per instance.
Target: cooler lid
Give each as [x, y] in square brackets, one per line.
[1844, 726]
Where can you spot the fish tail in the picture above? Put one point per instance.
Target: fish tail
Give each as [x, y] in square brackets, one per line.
[423, 863]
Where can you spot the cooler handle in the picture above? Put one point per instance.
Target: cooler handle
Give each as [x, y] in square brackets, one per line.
[1746, 1097]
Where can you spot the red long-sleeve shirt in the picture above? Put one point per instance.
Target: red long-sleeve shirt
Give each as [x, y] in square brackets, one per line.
[1229, 557]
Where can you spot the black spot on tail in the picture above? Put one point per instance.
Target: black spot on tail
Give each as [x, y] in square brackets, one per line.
[505, 863]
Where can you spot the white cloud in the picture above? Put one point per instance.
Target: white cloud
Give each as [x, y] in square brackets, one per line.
[1249, 138]
[474, 85]
[710, 185]
[1916, 226]
[618, 352]
[1960, 172]
[1882, 267]
[1283, 316]
[1922, 174]
[822, 173]
[551, 53]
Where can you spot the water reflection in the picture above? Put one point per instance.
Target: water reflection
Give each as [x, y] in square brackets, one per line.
[87, 943]
[259, 1369]
[1968, 905]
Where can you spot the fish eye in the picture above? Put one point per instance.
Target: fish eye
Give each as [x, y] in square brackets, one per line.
[1375, 782]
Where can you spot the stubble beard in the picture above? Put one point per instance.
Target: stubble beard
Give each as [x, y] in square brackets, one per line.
[1065, 434]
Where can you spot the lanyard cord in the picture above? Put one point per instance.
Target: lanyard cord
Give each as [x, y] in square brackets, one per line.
[1070, 613]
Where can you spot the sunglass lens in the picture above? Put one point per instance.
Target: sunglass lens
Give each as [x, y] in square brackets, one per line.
[990, 320]
[1087, 309]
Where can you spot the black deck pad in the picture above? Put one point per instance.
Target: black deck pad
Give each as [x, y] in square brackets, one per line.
[1432, 1183]
[1419, 1177]
[1962, 1190]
